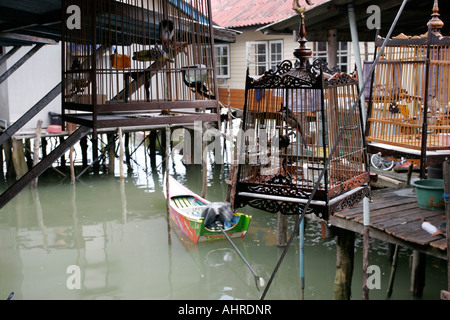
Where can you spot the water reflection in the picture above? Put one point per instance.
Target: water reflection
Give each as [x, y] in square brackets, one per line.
[116, 232]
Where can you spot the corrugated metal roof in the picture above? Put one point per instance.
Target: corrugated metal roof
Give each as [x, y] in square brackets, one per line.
[243, 13]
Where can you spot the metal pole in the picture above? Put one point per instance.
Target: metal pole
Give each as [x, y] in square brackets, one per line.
[357, 54]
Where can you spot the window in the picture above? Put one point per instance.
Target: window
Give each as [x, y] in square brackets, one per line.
[222, 53]
[320, 51]
[263, 55]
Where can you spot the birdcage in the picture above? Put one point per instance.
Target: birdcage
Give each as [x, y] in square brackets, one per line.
[138, 62]
[294, 117]
[409, 110]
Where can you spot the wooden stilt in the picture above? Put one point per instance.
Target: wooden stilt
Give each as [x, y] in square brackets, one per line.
[152, 147]
[7, 147]
[37, 139]
[418, 273]
[393, 270]
[166, 177]
[121, 151]
[127, 152]
[84, 147]
[445, 295]
[281, 230]
[345, 245]
[63, 157]
[111, 154]
[204, 166]
[18, 157]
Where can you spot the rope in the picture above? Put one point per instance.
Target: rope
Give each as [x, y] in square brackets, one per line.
[341, 133]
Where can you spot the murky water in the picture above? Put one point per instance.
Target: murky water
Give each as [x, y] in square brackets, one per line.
[115, 234]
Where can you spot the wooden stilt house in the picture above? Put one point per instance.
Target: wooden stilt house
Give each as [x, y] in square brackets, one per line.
[409, 109]
[294, 117]
[131, 63]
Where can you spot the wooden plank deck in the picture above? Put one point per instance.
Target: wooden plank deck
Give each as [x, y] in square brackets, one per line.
[395, 217]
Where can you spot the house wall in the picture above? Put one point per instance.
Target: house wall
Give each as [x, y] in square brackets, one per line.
[231, 90]
[29, 84]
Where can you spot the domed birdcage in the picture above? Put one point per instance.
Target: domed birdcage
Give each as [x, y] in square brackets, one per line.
[293, 117]
[409, 109]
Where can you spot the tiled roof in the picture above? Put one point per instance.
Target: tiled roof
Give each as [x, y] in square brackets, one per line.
[242, 13]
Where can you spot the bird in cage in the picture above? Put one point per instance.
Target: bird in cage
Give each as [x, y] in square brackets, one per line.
[155, 54]
[166, 31]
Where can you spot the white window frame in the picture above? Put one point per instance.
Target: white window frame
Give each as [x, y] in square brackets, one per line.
[218, 65]
[340, 54]
[268, 53]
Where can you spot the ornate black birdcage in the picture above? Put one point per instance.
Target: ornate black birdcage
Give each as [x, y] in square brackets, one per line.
[293, 117]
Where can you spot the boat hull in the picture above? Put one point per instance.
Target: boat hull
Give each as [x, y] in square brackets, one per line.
[185, 212]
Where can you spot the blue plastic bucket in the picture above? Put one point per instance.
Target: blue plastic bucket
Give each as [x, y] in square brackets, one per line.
[430, 194]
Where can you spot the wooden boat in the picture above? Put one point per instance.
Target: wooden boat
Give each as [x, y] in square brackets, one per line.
[186, 209]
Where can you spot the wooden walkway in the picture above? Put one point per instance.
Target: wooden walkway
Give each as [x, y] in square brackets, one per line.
[395, 217]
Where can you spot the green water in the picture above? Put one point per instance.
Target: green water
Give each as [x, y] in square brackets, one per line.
[116, 234]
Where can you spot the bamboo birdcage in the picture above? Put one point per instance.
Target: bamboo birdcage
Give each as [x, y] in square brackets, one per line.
[131, 61]
[409, 109]
[293, 117]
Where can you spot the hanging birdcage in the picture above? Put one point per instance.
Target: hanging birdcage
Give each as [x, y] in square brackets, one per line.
[293, 117]
[409, 110]
[128, 62]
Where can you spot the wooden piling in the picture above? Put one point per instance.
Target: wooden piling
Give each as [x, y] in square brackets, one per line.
[446, 173]
[37, 139]
[281, 230]
[18, 157]
[345, 245]
[111, 154]
[417, 273]
[393, 270]
[166, 177]
[121, 152]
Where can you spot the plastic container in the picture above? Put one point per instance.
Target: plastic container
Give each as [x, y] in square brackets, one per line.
[430, 194]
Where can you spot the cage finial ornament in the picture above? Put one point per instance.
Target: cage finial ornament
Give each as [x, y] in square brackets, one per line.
[435, 22]
[302, 52]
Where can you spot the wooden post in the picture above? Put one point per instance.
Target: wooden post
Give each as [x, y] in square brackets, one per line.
[418, 273]
[121, 151]
[281, 230]
[18, 157]
[366, 246]
[36, 151]
[345, 245]
[111, 154]
[446, 173]
[204, 165]
[84, 147]
[166, 177]
[393, 270]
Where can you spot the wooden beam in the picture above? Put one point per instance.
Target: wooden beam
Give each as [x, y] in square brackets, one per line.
[43, 165]
[19, 63]
[7, 55]
[12, 129]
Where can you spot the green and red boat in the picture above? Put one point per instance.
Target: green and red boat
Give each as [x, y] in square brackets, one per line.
[186, 210]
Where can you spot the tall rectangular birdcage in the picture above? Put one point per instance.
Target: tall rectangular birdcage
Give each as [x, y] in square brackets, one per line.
[409, 109]
[138, 62]
[293, 119]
